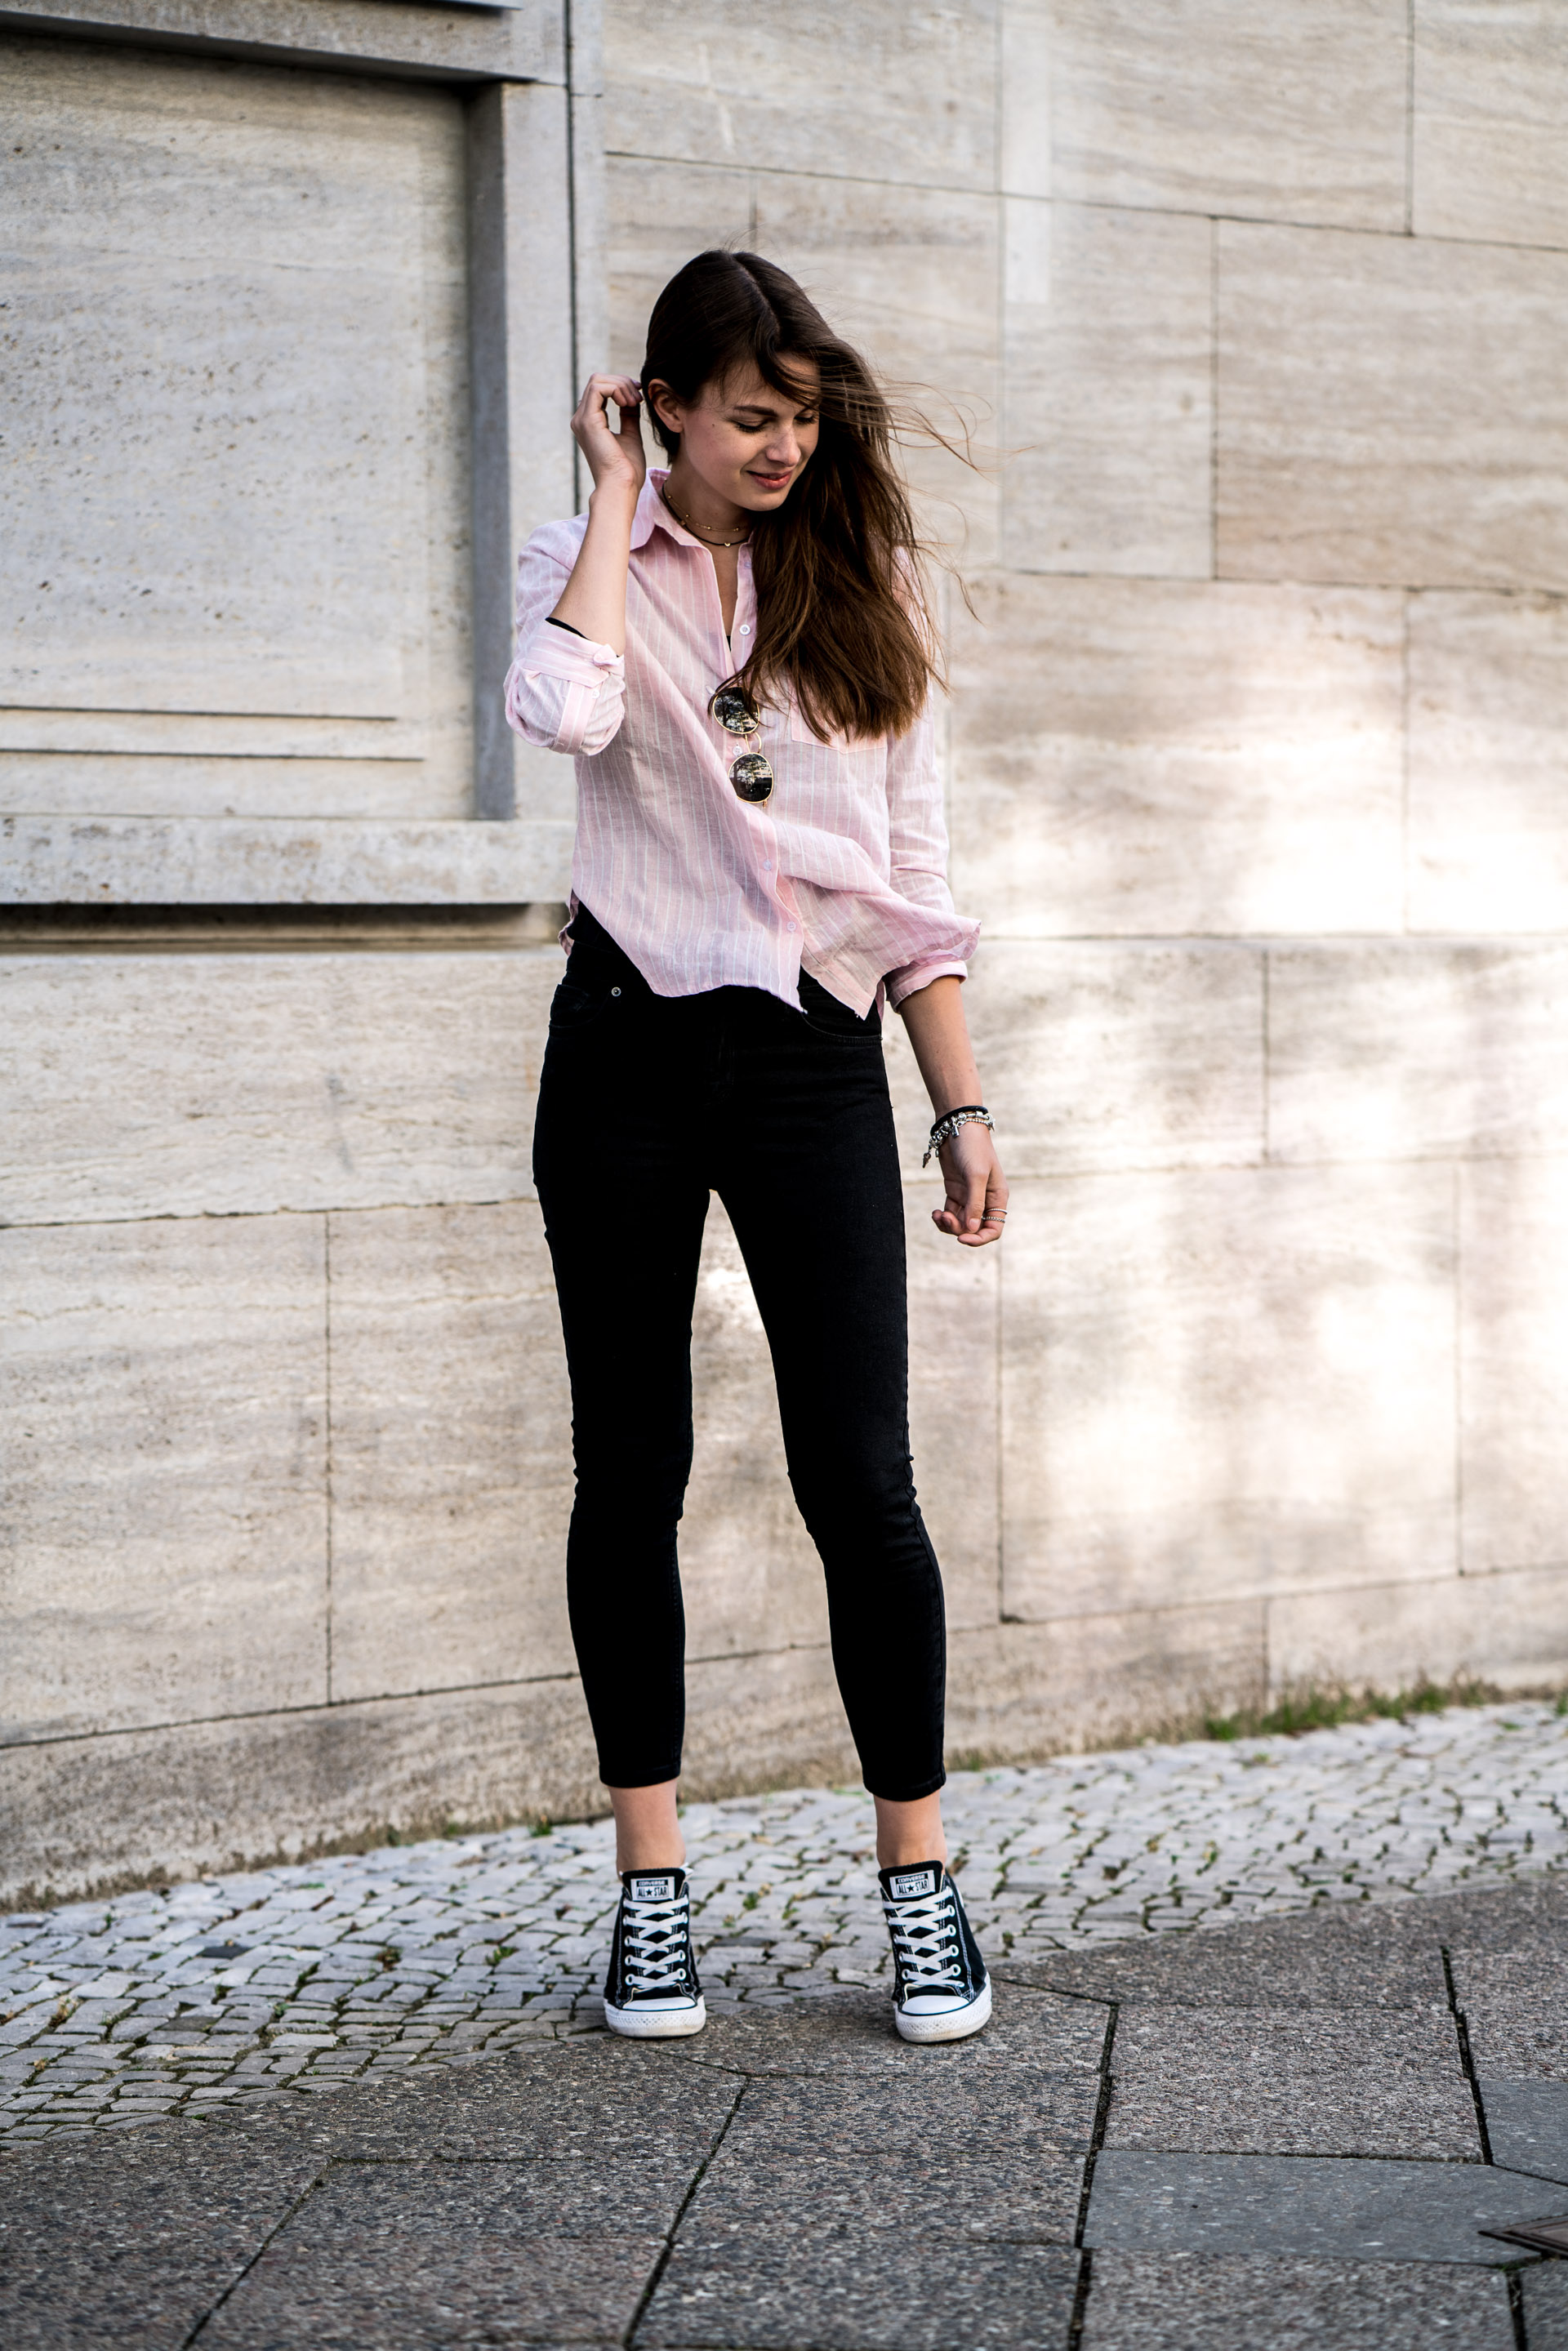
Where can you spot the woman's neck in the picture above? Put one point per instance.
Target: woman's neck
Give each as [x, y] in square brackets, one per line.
[705, 513]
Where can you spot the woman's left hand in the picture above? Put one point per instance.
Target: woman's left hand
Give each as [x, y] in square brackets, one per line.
[975, 1208]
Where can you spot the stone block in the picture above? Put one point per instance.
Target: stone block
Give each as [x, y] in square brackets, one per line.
[1513, 1364]
[755, 2187]
[1527, 2124]
[832, 2078]
[1339, 1957]
[1491, 86]
[1144, 757]
[269, 516]
[163, 2226]
[194, 1799]
[800, 102]
[660, 212]
[1221, 108]
[1416, 1051]
[771, 1720]
[1028, 41]
[1219, 1385]
[1105, 1057]
[1277, 2082]
[1513, 2007]
[818, 2287]
[1429, 448]
[105, 862]
[184, 1084]
[587, 2122]
[1507, 1629]
[411, 2252]
[1225, 2299]
[1543, 2291]
[1337, 2207]
[165, 1518]
[1108, 420]
[452, 1477]
[1488, 775]
[1021, 1691]
[908, 276]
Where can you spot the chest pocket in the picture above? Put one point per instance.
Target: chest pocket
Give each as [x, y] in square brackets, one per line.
[800, 733]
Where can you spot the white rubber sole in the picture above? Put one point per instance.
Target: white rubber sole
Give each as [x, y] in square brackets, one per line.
[656, 2025]
[954, 2027]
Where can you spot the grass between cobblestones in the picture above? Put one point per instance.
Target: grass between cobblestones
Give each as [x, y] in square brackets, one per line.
[273, 1983]
[1312, 1707]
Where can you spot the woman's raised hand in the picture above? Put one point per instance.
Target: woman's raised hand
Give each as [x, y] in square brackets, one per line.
[615, 459]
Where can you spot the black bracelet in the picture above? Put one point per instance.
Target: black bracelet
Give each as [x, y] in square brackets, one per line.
[947, 1126]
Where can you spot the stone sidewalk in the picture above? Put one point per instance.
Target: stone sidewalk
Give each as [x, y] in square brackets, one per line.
[1289, 2130]
[239, 1988]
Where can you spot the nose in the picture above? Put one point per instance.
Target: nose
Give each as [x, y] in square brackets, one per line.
[784, 452]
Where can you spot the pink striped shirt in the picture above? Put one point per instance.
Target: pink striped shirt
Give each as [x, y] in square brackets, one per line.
[842, 872]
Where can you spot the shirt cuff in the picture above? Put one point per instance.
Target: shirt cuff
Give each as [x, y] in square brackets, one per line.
[578, 660]
[910, 981]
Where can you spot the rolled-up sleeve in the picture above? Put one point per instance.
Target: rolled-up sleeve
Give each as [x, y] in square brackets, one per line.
[563, 692]
[918, 851]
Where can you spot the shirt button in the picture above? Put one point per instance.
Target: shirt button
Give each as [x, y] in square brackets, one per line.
[768, 865]
[746, 628]
[794, 926]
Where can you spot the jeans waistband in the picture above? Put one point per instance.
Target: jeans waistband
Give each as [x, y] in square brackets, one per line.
[590, 938]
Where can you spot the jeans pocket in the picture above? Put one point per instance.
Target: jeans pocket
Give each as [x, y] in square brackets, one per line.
[827, 1017]
[578, 1003]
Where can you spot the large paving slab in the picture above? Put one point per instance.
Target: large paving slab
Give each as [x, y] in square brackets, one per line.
[1218, 2301]
[1282, 2082]
[1328, 2206]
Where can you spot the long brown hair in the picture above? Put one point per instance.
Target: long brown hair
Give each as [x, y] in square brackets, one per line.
[843, 616]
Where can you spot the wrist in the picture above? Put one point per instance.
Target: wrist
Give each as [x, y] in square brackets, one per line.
[612, 497]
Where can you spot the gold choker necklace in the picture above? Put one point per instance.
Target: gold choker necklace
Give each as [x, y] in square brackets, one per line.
[696, 533]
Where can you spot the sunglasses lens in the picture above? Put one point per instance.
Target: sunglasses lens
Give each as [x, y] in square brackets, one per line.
[752, 777]
[732, 707]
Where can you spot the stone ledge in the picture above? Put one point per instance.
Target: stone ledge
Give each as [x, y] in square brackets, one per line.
[518, 40]
[75, 861]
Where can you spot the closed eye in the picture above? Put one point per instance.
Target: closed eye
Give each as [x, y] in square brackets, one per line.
[757, 422]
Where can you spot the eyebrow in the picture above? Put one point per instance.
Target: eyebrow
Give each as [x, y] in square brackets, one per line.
[765, 407]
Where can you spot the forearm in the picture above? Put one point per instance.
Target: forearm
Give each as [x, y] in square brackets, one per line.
[594, 601]
[934, 1017]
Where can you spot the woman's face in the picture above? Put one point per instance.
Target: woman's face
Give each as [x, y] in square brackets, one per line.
[743, 440]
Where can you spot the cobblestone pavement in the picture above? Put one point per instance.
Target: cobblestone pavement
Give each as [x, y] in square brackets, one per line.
[245, 1988]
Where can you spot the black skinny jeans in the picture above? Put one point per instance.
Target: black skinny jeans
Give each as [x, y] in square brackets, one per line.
[646, 1103]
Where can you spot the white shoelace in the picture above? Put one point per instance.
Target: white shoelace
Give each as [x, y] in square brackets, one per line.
[926, 1941]
[654, 1938]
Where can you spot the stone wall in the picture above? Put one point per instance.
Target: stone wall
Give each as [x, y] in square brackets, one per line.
[1256, 783]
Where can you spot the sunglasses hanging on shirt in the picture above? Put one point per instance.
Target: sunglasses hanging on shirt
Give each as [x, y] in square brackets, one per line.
[750, 775]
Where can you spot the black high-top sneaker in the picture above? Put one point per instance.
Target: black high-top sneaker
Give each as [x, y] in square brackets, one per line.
[942, 1991]
[652, 1992]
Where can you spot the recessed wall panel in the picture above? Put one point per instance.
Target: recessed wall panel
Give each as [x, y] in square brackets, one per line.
[238, 484]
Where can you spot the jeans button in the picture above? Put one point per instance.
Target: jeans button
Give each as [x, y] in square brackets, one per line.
[615, 991]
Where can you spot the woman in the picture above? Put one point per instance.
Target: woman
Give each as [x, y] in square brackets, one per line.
[737, 651]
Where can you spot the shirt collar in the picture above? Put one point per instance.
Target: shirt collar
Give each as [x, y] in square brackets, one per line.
[652, 509]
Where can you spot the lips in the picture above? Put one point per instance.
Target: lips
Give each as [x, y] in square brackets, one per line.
[772, 481]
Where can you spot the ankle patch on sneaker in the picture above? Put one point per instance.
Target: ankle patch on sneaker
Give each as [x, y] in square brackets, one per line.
[652, 1890]
[908, 1885]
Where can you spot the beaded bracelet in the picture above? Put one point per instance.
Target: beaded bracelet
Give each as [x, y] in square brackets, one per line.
[947, 1126]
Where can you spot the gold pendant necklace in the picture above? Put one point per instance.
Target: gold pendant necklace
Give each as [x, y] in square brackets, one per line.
[696, 533]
